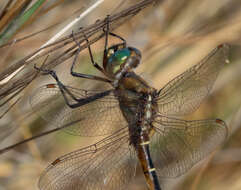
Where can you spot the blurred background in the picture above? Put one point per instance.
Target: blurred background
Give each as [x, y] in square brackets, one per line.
[172, 36]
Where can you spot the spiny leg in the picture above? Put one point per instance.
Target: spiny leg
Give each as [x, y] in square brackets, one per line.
[61, 86]
[81, 75]
[107, 33]
[64, 91]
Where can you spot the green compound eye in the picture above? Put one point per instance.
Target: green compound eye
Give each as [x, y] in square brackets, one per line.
[118, 58]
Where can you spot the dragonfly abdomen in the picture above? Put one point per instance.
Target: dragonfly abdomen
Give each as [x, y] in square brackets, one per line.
[137, 108]
[143, 153]
[142, 146]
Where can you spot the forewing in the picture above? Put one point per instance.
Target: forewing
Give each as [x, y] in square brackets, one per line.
[184, 94]
[100, 116]
[109, 164]
[178, 144]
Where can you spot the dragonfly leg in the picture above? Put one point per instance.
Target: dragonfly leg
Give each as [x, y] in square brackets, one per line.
[81, 75]
[90, 53]
[107, 33]
[107, 30]
[117, 36]
[61, 86]
[65, 91]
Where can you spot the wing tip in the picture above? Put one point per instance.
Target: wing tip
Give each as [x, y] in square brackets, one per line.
[223, 124]
[223, 45]
[225, 48]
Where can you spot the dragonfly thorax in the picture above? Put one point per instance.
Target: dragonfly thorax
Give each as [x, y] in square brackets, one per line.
[136, 99]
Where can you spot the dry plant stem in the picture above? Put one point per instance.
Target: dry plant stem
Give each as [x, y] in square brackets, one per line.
[6, 149]
[13, 12]
[115, 20]
[15, 41]
[5, 9]
[15, 94]
[68, 26]
[10, 107]
[54, 38]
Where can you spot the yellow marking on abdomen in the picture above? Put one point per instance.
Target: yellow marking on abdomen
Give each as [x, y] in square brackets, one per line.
[145, 143]
[150, 170]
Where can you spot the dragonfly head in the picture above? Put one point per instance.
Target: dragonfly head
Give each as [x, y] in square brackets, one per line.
[121, 59]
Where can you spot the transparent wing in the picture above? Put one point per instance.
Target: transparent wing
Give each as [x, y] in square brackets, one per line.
[100, 115]
[178, 144]
[184, 94]
[109, 164]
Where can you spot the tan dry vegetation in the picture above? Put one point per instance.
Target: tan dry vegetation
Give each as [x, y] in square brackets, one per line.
[172, 36]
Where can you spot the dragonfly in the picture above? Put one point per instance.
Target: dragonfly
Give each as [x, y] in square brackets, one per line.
[142, 126]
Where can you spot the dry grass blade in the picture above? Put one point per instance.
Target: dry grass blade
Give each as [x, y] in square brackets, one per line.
[7, 16]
